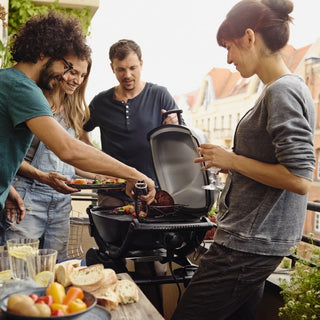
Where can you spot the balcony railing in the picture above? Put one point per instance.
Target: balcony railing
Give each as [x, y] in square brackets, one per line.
[312, 206]
[224, 133]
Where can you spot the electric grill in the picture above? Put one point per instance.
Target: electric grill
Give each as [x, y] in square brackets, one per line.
[167, 233]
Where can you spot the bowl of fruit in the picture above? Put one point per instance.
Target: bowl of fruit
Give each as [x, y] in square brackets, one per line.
[52, 302]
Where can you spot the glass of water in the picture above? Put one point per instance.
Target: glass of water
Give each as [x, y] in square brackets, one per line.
[18, 249]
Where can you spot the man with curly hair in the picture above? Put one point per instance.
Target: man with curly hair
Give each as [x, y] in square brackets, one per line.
[39, 48]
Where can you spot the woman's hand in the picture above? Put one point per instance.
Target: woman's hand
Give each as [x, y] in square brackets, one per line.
[273, 175]
[215, 156]
[57, 182]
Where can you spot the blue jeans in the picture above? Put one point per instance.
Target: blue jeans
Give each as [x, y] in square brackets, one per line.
[228, 285]
[47, 217]
[4, 225]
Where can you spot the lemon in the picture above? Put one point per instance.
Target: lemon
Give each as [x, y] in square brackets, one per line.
[17, 253]
[5, 275]
[44, 278]
[21, 251]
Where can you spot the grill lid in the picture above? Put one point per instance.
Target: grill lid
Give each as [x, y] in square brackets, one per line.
[174, 149]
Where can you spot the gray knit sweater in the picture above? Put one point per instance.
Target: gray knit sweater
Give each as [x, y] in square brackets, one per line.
[253, 217]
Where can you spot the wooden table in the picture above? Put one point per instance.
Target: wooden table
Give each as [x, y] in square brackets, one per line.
[143, 309]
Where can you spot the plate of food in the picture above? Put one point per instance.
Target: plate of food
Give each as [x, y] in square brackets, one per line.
[110, 183]
[35, 303]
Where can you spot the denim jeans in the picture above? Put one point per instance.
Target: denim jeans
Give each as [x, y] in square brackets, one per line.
[47, 217]
[4, 225]
[228, 285]
[47, 211]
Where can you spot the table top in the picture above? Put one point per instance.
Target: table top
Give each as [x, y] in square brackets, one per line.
[143, 309]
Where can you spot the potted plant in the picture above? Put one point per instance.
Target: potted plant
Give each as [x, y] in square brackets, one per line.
[301, 294]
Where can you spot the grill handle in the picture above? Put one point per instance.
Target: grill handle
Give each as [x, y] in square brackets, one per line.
[177, 111]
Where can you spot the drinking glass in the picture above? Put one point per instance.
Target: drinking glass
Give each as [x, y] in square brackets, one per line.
[18, 248]
[5, 271]
[6, 281]
[214, 180]
[41, 266]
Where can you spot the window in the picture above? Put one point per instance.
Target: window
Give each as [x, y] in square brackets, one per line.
[317, 222]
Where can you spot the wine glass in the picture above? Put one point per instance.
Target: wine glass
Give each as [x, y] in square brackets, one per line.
[214, 180]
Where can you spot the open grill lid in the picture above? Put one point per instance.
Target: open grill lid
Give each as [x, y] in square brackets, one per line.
[174, 149]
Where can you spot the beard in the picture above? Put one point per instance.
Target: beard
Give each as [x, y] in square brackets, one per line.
[48, 80]
[128, 87]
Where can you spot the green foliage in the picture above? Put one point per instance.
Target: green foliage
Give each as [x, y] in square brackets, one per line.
[3, 47]
[302, 293]
[22, 10]
[4, 55]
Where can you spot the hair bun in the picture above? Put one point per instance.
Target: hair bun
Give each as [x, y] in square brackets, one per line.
[281, 7]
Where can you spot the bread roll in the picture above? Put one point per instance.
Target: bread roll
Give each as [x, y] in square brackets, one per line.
[108, 299]
[108, 282]
[127, 291]
[88, 278]
[64, 269]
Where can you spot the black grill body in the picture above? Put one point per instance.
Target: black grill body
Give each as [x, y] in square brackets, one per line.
[169, 237]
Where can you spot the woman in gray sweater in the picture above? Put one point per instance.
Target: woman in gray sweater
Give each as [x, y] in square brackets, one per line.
[264, 202]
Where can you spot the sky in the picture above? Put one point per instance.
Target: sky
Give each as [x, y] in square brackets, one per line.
[177, 39]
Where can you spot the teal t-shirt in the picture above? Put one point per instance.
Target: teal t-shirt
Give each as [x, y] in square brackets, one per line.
[20, 100]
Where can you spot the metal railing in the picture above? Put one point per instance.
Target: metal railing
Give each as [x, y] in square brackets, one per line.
[312, 206]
